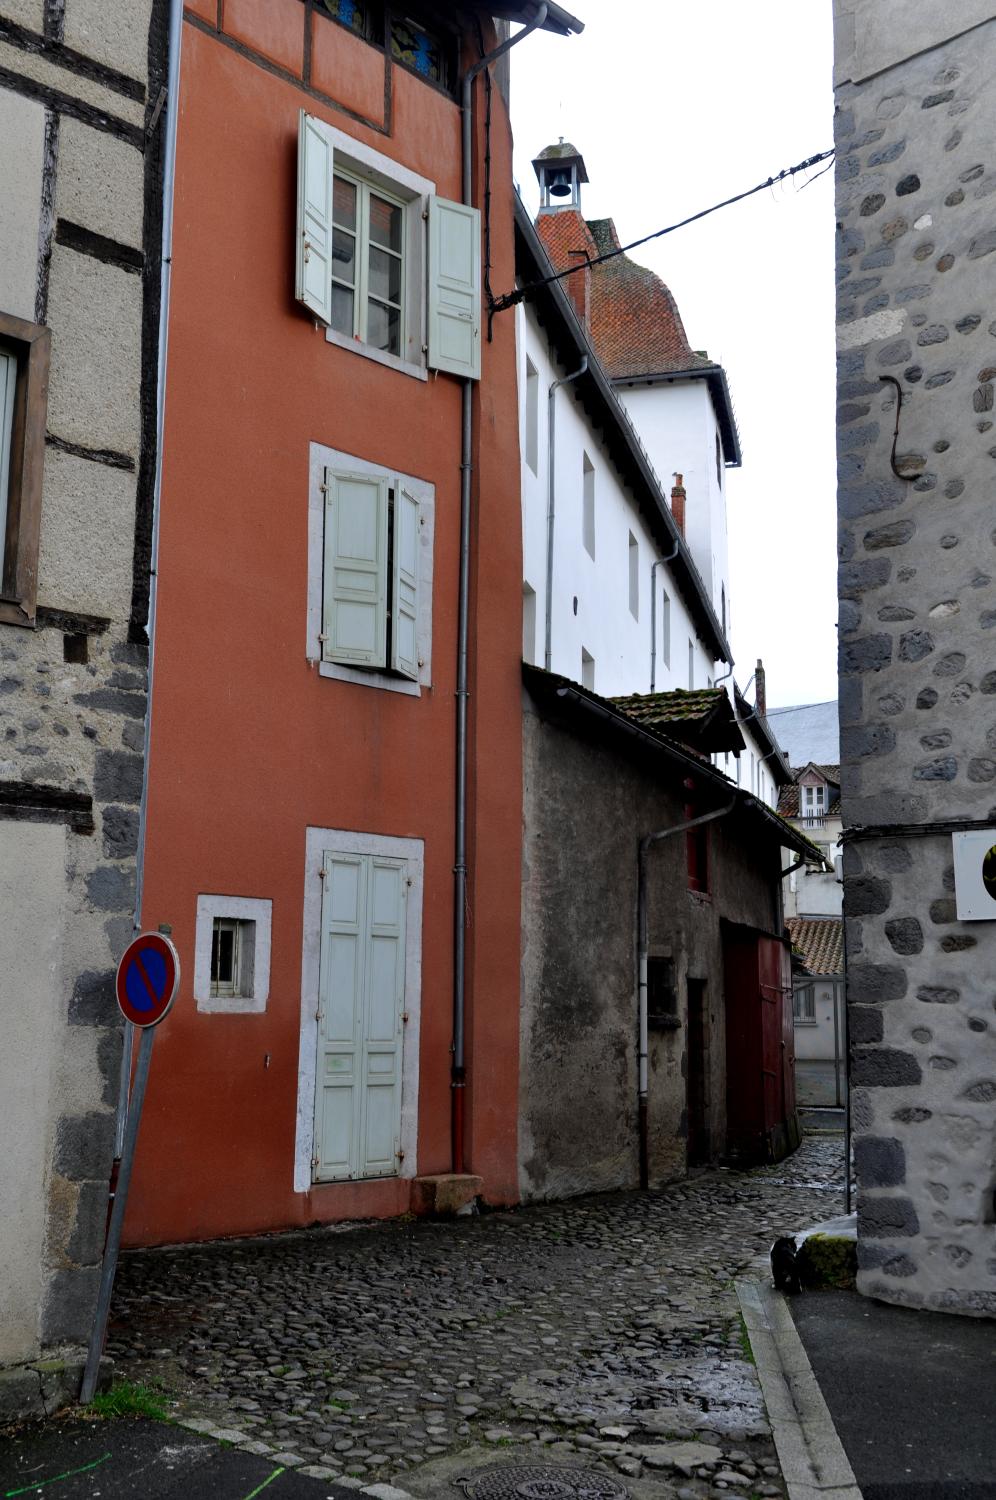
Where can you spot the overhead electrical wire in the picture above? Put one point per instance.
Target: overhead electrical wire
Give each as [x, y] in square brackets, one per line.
[499, 304]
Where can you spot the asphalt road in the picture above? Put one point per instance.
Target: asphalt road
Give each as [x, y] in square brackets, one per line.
[912, 1394]
[128, 1458]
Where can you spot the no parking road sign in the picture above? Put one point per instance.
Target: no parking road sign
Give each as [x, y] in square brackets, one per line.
[147, 981]
[148, 978]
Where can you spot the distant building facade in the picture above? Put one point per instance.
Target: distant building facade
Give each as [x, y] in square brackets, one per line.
[81, 133]
[636, 1064]
[916, 104]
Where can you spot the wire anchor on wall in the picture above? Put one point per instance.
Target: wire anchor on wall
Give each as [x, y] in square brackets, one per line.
[510, 299]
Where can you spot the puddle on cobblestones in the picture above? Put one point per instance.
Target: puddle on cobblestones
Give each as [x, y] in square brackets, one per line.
[602, 1330]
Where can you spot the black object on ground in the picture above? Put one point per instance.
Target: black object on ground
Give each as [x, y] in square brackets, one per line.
[912, 1394]
[121, 1460]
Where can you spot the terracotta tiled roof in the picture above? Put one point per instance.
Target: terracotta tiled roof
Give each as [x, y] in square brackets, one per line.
[702, 718]
[820, 941]
[635, 324]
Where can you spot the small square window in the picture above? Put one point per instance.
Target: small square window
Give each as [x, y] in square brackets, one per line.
[662, 995]
[232, 954]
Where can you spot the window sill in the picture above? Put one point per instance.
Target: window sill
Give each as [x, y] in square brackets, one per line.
[379, 356]
[383, 680]
[663, 1023]
[705, 897]
[799, 1021]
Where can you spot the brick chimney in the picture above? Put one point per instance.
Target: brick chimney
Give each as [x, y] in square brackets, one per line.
[760, 690]
[678, 502]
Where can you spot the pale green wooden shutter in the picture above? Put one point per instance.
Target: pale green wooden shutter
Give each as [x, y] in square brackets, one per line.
[8, 388]
[342, 971]
[404, 618]
[313, 280]
[355, 604]
[361, 996]
[454, 288]
[385, 984]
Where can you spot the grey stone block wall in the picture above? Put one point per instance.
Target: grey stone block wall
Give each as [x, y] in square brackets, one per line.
[916, 272]
[83, 235]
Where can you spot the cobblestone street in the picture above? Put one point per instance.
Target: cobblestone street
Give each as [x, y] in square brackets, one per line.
[600, 1330]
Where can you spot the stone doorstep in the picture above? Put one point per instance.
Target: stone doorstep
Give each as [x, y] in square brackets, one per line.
[45, 1386]
[446, 1194]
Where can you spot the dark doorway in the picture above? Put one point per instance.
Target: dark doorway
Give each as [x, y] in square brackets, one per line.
[696, 1074]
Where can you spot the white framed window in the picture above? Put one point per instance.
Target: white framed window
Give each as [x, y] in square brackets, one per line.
[391, 269]
[813, 803]
[588, 505]
[368, 264]
[370, 549]
[232, 954]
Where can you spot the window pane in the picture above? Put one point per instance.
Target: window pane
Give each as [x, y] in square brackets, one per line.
[223, 953]
[385, 276]
[385, 223]
[383, 327]
[361, 18]
[344, 203]
[418, 49]
[342, 310]
[344, 256]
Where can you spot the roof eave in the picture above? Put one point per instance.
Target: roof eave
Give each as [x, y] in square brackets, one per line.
[564, 689]
[694, 589]
[719, 390]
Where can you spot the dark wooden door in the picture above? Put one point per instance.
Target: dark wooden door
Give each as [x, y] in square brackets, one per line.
[696, 1079]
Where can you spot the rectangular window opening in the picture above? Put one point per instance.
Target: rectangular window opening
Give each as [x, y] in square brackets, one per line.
[233, 947]
[528, 624]
[634, 577]
[662, 994]
[587, 670]
[666, 627]
[368, 271]
[588, 503]
[532, 416]
[691, 665]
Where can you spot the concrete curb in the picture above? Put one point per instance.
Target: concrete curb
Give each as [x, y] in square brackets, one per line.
[814, 1464]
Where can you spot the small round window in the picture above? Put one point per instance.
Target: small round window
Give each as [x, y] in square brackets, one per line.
[989, 872]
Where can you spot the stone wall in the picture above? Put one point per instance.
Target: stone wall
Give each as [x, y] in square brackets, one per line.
[916, 209]
[586, 805]
[81, 126]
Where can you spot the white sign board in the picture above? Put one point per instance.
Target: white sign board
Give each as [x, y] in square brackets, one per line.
[975, 875]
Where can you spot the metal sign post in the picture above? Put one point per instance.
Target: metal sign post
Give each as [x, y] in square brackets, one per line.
[148, 978]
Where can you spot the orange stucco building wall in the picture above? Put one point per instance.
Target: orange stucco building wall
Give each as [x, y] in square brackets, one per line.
[250, 746]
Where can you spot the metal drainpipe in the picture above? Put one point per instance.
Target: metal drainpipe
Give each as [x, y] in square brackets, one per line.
[551, 502]
[653, 612]
[169, 179]
[458, 1076]
[641, 928]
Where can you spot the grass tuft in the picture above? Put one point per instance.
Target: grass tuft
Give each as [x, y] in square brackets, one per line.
[130, 1400]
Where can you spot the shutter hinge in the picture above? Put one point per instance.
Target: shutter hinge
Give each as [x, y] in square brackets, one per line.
[404, 1017]
[400, 1155]
[314, 1161]
[425, 213]
[324, 488]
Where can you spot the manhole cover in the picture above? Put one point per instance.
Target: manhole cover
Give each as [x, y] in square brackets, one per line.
[542, 1482]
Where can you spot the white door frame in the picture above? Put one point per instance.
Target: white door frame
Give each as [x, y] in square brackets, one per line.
[318, 842]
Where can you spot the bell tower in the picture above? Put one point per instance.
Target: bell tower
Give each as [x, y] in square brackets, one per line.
[561, 171]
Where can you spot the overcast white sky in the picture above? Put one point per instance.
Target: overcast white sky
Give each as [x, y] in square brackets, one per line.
[675, 107]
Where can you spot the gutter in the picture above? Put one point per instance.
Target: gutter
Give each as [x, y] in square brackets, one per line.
[458, 1072]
